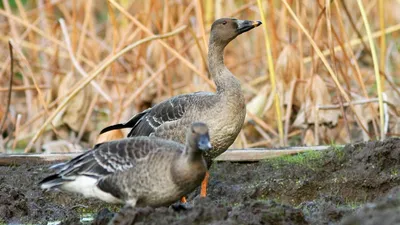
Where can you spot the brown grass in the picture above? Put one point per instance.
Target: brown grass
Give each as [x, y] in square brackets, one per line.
[326, 78]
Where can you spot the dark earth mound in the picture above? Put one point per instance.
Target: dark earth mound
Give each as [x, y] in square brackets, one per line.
[384, 211]
[335, 186]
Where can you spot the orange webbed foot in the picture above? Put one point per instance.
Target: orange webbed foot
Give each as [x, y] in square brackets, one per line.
[204, 183]
[183, 200]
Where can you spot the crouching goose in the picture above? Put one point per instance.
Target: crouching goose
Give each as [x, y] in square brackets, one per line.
[223, 111]
[141, 171]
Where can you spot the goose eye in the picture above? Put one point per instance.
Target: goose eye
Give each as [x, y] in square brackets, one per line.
[224, 22]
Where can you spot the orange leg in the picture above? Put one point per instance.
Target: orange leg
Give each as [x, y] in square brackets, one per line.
[203, 190]
[183, 199]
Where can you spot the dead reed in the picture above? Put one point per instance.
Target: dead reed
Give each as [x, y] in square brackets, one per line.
[321, 72]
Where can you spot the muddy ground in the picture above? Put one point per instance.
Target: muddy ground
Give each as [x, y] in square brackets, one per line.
[358, 184]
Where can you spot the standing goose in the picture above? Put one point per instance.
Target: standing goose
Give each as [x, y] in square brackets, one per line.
[223, 111]
[140, 171]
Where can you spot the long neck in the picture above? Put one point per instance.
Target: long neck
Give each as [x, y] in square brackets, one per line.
[224, 80]
[192, 154]
[188, 168]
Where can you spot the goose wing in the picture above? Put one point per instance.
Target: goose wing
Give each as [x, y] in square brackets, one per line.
[104, 159]
[146, 122]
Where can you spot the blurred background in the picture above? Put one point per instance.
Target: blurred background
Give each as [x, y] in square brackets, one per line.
[300, 103]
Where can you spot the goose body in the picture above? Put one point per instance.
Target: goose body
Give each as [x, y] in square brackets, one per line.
[169, 119]
[224, 111]
[141, 171]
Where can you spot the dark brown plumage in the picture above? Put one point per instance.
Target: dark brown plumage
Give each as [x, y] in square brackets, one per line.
[223, 111]
[140, 171]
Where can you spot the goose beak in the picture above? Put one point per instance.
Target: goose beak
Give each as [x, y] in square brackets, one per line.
[246, 25]
[204, 143]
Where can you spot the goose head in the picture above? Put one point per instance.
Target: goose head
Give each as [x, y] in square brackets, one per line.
[198, 137]
[226, 29]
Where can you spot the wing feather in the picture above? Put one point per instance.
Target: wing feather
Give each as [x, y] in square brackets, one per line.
[107, 158]
[129, 124]
[167, 111]
[147, 122]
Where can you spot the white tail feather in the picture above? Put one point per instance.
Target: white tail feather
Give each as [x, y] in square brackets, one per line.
[87, 186]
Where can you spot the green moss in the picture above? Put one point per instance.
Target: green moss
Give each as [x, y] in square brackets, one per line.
[394, 172]
[93, 210]
[308, 159]
[339, 153]
[351, 205]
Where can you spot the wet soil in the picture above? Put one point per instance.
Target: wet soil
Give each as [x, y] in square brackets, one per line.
[358, 184]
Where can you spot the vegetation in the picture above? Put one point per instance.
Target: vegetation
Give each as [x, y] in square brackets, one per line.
[303, 159]
[330, 79]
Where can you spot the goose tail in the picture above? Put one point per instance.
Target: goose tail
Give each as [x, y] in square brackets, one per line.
[57, 166]
[52, 182]
[131, 123]
[114, 127]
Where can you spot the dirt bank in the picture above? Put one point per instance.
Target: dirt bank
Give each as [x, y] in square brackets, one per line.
[313, 188]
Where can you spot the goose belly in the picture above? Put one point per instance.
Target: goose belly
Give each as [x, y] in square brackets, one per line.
[224, 123]
[224, 130]
[153, 183]
[222, 138]
[161, 193]
[173, 181]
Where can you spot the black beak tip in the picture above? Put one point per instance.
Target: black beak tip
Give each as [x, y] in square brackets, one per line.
[208, 147]
[247, 25]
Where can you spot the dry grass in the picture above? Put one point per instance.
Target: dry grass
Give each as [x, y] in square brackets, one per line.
[334, 82]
